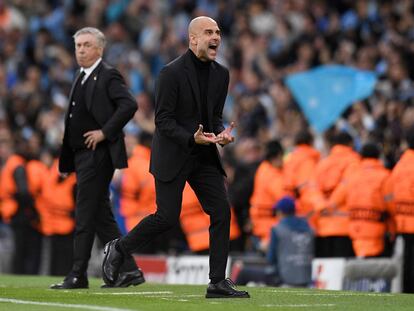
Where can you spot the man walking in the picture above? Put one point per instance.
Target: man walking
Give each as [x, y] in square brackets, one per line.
[190, 96]
[93, 146]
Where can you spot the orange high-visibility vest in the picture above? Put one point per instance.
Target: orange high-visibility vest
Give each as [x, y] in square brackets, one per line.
[58, 203]
[8, 187]
[402, 182]
[36, 172]
[195, 223]
[137, 193]
[364, 194]
[267, 190]
[329, 173]
[299, 179]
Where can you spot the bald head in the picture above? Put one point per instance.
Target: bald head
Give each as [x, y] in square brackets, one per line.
[204, 37]
[196, 24]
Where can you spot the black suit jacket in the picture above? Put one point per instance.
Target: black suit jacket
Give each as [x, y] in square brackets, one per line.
[112, 105]
[178, 113]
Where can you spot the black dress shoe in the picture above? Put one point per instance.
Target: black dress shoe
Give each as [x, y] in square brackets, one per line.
[225, 289]
[126, 279]
[112, 262]
[71, 282]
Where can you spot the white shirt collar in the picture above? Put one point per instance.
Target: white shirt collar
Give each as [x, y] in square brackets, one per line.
[90, 69]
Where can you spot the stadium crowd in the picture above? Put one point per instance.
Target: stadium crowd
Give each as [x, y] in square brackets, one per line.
[263, 41]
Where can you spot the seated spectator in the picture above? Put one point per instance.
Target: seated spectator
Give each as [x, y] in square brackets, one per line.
[290, 253]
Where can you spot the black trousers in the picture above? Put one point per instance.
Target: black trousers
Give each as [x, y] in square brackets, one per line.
[206, 180]
[333, 246]
[408, 269]
[93, 213]
[27, 251]
[61, 254]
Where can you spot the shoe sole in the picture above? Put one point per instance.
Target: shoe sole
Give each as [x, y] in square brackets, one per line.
[60, 286]
[211, 295]
[133, 282]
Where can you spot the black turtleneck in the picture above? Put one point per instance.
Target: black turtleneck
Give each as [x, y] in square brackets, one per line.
[206, 153]
[203, 72]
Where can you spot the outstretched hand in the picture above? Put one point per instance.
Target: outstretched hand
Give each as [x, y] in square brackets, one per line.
[202, 138]
[226, 137]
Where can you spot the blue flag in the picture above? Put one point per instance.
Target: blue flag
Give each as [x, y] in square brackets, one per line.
[325, 92]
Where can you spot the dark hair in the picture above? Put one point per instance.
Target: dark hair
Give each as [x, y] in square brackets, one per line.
[304, 137]
[273, 149]
[343, 138]
[145, 138]
[370, 150]
[409, 137]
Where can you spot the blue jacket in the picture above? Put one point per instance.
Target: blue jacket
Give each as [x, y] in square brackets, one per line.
[291, 250]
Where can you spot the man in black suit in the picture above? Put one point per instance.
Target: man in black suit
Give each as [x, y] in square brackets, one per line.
[93, 146]
[190, 96]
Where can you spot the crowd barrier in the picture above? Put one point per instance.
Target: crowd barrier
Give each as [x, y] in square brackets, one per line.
[368, 274]
[374, 275]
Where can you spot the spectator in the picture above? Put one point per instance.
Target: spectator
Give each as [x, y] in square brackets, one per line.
[57, 217]
[364, 194]
[290, 252]
[402, 181]
[262, 42]
[332, 225]
[268, 189]
[21, 183]
[299, 170]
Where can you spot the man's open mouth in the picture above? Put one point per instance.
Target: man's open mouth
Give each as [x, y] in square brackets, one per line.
[213, 46]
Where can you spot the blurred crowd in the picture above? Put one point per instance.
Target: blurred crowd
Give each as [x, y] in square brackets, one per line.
[263, 41]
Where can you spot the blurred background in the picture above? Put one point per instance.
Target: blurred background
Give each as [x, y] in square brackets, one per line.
[265, 44]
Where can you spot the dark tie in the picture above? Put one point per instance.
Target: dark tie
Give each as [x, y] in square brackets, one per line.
[81, 75]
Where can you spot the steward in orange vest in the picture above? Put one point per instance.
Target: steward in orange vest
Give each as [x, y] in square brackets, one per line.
[136, 187]
[402, 181]
[8, 189]
[137, 192]
[299, 173]
[57, 218]
[20, 184]
[267, 190]
[332, 225]
[365, 194]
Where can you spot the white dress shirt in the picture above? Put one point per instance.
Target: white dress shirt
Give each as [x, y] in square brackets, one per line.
[89, 70]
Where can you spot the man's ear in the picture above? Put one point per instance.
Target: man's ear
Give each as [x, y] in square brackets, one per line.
[193, 39]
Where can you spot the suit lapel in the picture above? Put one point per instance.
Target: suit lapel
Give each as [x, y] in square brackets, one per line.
[90, 86]
[73, 85]
[71, 92]
[192, 79]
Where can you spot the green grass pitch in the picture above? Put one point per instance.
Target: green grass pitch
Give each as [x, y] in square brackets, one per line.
[32, 293]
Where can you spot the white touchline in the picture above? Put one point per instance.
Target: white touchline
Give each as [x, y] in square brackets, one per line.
[332, 294]
[62, 305]
[343, 294]
[133, 293]
[300, 305]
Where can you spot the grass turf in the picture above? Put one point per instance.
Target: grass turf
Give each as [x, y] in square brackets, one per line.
[32, 293]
